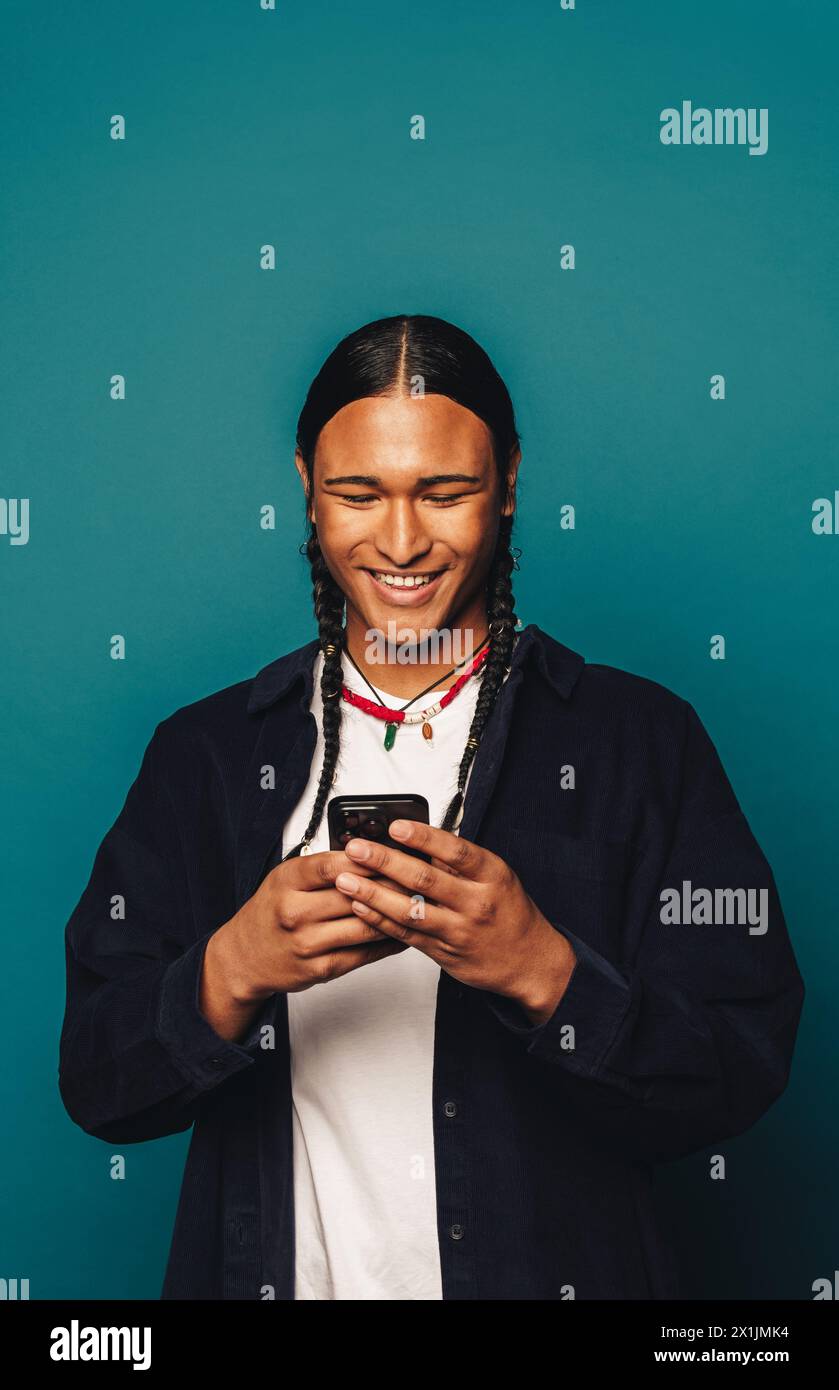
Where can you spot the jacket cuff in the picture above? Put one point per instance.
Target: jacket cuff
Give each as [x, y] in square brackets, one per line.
[193, 1044]
[595, 1004]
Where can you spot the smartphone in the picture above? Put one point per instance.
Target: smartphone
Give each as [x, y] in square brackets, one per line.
[369, 818]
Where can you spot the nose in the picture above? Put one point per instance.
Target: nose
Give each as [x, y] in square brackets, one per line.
[401, 534]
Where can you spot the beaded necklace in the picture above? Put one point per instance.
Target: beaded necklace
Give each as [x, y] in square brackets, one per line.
[394, 717]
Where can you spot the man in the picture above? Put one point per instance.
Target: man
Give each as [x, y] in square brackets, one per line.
[463, 1103]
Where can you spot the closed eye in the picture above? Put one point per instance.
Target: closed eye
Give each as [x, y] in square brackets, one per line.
[371, 497]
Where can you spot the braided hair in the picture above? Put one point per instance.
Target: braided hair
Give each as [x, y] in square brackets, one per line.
[383, 357]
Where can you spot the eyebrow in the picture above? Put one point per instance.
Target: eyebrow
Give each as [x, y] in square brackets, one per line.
[431, 480]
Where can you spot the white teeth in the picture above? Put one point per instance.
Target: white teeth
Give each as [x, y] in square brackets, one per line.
[403, 581]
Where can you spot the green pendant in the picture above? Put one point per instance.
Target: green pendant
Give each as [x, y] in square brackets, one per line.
[390, 735]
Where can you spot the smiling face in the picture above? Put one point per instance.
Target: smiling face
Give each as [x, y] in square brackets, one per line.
[406, 500]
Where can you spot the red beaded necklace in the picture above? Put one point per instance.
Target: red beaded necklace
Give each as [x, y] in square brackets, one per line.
[395, 717]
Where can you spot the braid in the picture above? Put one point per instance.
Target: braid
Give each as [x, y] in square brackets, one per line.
[502, 622]
[329, 611]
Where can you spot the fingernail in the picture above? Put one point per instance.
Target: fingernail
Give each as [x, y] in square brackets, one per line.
[347, 883]
[400, 828]
[359, 848]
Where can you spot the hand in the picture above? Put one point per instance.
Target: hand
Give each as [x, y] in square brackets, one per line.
[476, 920]
[297, 930]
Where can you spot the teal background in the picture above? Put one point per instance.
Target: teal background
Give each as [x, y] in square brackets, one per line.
[693, 516]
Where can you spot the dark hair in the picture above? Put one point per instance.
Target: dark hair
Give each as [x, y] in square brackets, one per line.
[409, 352]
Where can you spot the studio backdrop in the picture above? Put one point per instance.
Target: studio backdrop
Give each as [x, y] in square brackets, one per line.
[632, 207]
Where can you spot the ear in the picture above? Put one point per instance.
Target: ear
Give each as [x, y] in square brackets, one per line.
[509, 504]
[301, 469]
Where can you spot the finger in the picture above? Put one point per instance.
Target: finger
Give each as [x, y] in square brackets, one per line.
[319, 870]
[307, 907]
[398, 931]
[345, 932]
[461, 857]
[386, 882]
[409, 919]
[414, 874]
[342, 962]
[312, 905]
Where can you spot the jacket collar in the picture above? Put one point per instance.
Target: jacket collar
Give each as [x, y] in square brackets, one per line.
[559, 665]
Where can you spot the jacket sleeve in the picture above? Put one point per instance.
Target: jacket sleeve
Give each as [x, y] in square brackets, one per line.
[136, 1055]
[693, 1041]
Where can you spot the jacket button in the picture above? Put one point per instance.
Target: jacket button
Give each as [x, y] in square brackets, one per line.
[456, 1232]
[450, 1108]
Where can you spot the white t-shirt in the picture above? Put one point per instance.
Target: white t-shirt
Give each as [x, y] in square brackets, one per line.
[362, 1045]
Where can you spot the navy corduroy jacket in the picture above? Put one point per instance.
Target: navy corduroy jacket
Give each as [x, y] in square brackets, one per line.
[602, 790]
